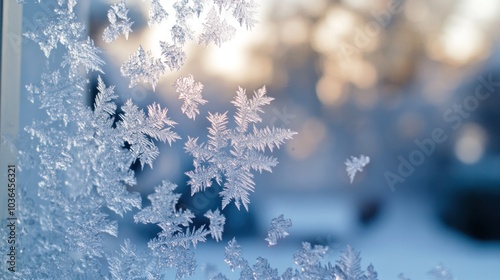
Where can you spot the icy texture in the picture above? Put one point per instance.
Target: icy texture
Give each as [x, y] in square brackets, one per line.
[308, 259]
[173, 56]
[217, 19]
[278, 230]
[190, 91]
[119, 23]
[62, 27]
[81, 157]
[349, 265]
[127, 264]
[138, 129]
[215, 30]
[156, 13]
[233, 256]
[356, 164]
[171, 248]
[142, 67]
[217, 221]
[230, 155]
[244, 11]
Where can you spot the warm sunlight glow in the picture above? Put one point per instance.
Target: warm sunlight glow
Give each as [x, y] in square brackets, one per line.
[329, 33]
[462, 40]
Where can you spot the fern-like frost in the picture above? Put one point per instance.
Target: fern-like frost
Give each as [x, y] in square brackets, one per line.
[217, 221]
[142, 67]
[119, 23]
[190, 91]
[356, 164]
[230, 155]
[278, 230]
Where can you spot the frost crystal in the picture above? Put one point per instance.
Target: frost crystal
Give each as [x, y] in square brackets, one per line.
[127, 264]
[143, 67]
[138, 129]
[356, 164]
[172, 246]
[217, 221]
[63, 28]
[215, 30]
[218, 17]
[262, 270]
[231, 155]
[119, 23]
[173, 55]
[244, 12]
[349, 265]
[156, 13]
[278, 230]
[232, 255]
[309, 258]
[190, 92]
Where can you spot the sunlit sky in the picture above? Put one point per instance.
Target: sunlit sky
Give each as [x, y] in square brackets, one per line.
[454, 34]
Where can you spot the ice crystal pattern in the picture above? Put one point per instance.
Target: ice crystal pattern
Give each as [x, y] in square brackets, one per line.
[156, 13]
[216, 19]
[278, 230]
[172, 248]
[310, 261]
[119, 23]
[217, 221]
[356, 164]
[230, 155]
[216, 30]
[61, 26]
[142, 66]
[82, 155]
[190, 91]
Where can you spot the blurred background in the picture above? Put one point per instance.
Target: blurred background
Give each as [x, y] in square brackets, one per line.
[412, 84]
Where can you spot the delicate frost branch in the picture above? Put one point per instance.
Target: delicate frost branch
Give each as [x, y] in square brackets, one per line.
[156, 13]
[356, 164]
[217, 221]
[119, 23]
[173, 55]
[349, 265]
[244, 12]
[278, 230]
[142, 67]
[233, 256]
[137, 129]
[230, 155]
[190, 92]
[216, 30]
[126, 264]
